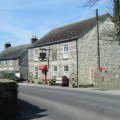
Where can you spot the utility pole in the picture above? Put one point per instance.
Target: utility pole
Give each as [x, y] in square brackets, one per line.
[77, 61]
[98, 44]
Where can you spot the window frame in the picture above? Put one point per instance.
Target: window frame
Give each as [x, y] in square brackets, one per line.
[10, 62]
[65, 51]
[67, 68]
[36, 72]
[36, 56]
[5, 63]
[55, 72]
[66, 72]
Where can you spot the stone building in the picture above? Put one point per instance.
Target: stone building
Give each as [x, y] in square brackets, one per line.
[15, 59]
[87, 50]
[72, 51]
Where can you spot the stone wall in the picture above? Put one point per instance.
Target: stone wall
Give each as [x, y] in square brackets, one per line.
[107, 79]
[19, 65]
[23, 65]
[8, 67]
[8, 100]
[109, 51]
[60, 62]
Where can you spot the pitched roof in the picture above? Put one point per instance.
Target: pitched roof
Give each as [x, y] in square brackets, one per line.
[13, 52]
[68, 32]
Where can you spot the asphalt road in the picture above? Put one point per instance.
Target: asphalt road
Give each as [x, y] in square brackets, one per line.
[54, 103]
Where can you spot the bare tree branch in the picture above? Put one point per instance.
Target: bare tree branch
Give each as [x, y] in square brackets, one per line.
[91, 3]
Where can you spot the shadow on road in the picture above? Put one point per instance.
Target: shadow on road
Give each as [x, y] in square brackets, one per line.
[29, 111]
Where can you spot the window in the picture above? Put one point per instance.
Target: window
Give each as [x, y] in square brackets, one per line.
[66, 68]
[10, 62]
[65, 51]
[36, 72]
[36, 54]
[55, 70]
[4, 63]
[54, 54]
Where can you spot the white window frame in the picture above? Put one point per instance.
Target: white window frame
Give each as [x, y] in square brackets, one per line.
[65, 51]
[55, 70]
[10, 62]
[5, 63]
[10, 68]
[66, 72]
[36, 72]
[67, 68]
[36, 54]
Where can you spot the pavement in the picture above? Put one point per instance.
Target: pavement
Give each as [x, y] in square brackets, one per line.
[39, 102]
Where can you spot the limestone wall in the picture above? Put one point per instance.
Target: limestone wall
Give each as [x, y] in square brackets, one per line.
[109, 51]
[8, 99]
[107, 79]
[7, 67]
[60, 62]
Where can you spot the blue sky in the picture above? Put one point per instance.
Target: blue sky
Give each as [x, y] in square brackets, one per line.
[20, 19]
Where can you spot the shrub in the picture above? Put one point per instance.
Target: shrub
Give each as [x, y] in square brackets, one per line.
[28, 81]
[52, 82]
[39, 82]
[7, 75]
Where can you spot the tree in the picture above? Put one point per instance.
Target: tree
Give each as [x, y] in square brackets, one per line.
[116, 13]
[116, 4]
[91, 3]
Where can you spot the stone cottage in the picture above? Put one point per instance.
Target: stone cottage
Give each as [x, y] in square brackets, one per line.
[71, 51]
[15, 59]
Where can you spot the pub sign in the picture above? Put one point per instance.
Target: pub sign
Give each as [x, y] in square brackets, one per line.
[43, 54]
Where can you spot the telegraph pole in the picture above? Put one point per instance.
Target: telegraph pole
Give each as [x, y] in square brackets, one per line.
[77, 61]
[98, 38]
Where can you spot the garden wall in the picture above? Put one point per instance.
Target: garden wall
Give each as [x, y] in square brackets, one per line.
[8, 100]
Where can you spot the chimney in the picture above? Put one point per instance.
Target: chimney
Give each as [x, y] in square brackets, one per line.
[34, 39]
[7, 45]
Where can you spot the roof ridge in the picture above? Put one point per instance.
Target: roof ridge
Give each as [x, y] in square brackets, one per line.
[70, 30]
[19, 45]
[66, 25]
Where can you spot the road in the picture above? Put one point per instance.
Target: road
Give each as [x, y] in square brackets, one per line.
[55, 103]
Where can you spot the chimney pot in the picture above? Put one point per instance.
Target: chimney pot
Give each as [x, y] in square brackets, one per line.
[7, 45]
[34, 39]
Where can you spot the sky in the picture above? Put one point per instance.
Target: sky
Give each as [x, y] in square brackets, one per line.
[21, 19]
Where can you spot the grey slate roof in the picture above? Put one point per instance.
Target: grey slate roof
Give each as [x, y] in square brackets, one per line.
[13, 52]
[68, 32]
